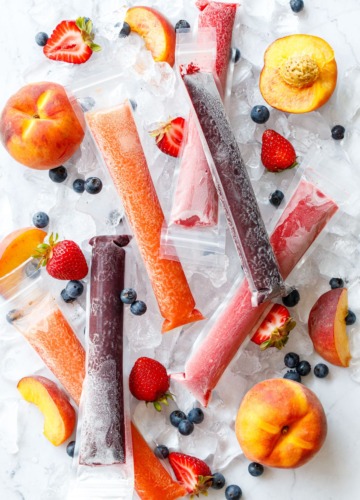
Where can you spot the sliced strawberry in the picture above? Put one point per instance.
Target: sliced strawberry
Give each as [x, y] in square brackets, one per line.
[169, 136]
[274, 330]
[277, 153]
[72, 42]
[192, 472]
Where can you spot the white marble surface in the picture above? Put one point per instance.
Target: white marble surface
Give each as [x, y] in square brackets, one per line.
[31, 468]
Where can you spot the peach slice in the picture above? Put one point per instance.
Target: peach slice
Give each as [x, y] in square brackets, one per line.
[327, 327]
[59, 415]
[158, 33]
[299, 73]
[19, 246]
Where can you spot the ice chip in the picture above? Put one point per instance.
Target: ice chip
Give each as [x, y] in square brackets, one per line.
[9, 425]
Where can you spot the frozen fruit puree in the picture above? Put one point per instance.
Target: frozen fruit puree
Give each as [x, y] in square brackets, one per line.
[102, 440]
[196, 200]
[152, 481]
[116, 136]
[303, 219]
[234, 188]
[49, 333]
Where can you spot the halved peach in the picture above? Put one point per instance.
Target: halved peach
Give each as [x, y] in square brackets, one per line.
[59, 415]
[158, 33]
[299, 73]
[19, 246]
[327, 327]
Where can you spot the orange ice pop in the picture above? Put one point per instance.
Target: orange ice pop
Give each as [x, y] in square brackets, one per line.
[49, 333]
[152, 481]
[115, 133]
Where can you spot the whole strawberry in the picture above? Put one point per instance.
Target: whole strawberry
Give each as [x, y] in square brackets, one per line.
[275, 328]
[192, 472]
[169, 136]
[150, 382]
[64, 260]
[277, 153]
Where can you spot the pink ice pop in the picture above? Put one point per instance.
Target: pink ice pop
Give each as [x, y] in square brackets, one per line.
[303, 219]
[196, 201]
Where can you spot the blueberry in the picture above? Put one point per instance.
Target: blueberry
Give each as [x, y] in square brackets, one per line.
[276, 198]
[260, 114]
[303, 368]
[176, 417]
[296, 5]
[255, 469]
[185, 427]
[41, 38]
[292, 375]
[66, 298]
[138, 308]
[93, 185]
[196, 415]
[233, 492]
[161, 451]
[79, 185]
[218, 481]
[86, 19]
[321, 370]
[235, 55]
[291, 359]
[32, 269]
[87, 103]
[128, 296]
[40, 219]
[58, 174]
[74, 289]
[133, 104]
[13, 315]
[338, 132]
[292, 299]
[350, 318]
[70, 448]
[125, 30]
[182, 25]
[336, 283]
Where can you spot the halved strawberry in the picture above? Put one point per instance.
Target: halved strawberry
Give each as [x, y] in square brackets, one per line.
[169, 136]
[72, 41]
[274, 330]
[192, 472]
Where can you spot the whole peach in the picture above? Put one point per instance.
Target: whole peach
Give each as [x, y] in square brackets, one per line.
[280, 423]
[39, 126]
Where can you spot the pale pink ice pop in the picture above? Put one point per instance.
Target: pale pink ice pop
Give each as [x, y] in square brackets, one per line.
[303, 219]
[196, 201]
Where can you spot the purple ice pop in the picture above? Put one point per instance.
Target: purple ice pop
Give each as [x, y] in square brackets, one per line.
[234, 187]
[102, 439]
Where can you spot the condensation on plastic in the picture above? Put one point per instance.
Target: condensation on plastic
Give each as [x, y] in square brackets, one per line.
[115, 480]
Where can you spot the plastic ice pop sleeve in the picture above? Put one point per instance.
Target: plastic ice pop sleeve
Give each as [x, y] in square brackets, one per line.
[116, 136]
[39, 319]
[303, 219]
[104, 435]
[234, 187]
[152, 481]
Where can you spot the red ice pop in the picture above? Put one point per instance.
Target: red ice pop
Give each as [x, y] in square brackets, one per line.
[303, 219]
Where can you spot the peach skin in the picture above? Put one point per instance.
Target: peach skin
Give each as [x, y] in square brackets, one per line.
[280, 423]
[59, 415]
[39, 126]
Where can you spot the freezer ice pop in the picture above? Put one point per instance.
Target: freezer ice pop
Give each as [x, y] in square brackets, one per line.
[48, 332]
[152, 481]
[195, 200]
[303, 219]
[234, 187]
[102, 437]
[115, 134]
